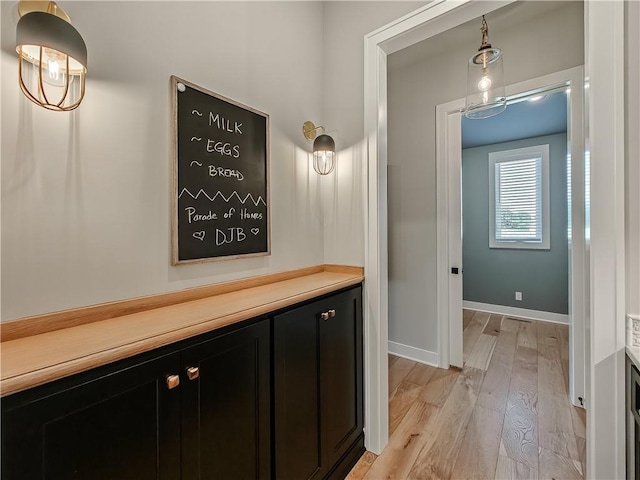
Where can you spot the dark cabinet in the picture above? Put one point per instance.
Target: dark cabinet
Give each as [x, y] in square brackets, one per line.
[633, 420]
[198, 412]
[122, 424]
[222, 405]
[318, 395]
[297, 394]
[341, 388]
[226, 406]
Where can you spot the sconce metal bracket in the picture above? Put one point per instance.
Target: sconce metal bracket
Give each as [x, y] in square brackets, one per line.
[28, 6]
[309, 130]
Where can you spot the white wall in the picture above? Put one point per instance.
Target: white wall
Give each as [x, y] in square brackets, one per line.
[345, 24]
[414, 91]
[85, 195]
[632, 173]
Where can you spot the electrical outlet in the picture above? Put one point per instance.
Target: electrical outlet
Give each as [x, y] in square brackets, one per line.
[518, 295]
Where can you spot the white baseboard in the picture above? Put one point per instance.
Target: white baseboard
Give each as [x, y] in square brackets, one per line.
[517, 312]
[412, 353]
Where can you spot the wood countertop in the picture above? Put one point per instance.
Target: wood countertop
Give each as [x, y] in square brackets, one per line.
[36, 359]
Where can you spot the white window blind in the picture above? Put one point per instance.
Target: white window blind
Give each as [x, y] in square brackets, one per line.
[519, 194]
[519, 200]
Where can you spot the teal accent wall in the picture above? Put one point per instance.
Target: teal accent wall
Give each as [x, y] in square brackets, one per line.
[494, 275]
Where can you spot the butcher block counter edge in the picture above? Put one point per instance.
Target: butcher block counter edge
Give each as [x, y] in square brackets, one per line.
[31, 360]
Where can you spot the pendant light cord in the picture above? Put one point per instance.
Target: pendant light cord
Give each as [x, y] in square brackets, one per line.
[485, 35]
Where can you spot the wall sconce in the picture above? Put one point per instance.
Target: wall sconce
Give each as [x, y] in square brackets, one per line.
[52, 56]
[324, 149]
[485, 80]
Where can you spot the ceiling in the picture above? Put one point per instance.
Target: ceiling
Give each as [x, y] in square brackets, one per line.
[520, 120]
[468, 34]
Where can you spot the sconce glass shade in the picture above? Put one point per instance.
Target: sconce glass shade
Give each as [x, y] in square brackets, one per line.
[324, 154]
[52, 61]
[485, 84]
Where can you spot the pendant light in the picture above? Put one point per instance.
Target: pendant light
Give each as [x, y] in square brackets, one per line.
[52, 56]
[324, 149]
[485, 80]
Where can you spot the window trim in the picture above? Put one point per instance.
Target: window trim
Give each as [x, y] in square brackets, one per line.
[536, 151]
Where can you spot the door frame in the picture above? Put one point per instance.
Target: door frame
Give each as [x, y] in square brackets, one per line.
[425, 22]
[605, 114]
[448, 194]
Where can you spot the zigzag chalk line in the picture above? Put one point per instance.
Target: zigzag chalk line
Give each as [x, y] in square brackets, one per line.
[256, 202]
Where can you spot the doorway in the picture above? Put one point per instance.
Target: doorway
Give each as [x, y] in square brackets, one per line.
[603, 34]
[448, 158]
[515, 224]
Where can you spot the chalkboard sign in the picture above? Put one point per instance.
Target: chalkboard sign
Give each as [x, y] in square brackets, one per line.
[220, 197]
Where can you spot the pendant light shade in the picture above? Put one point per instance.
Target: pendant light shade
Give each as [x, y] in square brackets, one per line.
[485, 80]
[52, 60]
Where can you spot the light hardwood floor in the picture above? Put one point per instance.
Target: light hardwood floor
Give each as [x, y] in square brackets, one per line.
[505, 415]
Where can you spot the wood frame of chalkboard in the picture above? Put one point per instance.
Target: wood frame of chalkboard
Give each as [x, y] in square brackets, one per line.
[220, 177]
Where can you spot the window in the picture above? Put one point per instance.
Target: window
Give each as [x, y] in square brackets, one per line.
[519, 198]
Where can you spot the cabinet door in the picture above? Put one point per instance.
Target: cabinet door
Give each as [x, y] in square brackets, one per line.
[121, 425]
[317, 385]
[341, 374]
[298, 454]
[226, 406]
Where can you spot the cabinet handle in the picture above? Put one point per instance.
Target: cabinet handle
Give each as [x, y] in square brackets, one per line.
[324, 315]
[332, 313]
[193, 373]
[173, 381]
